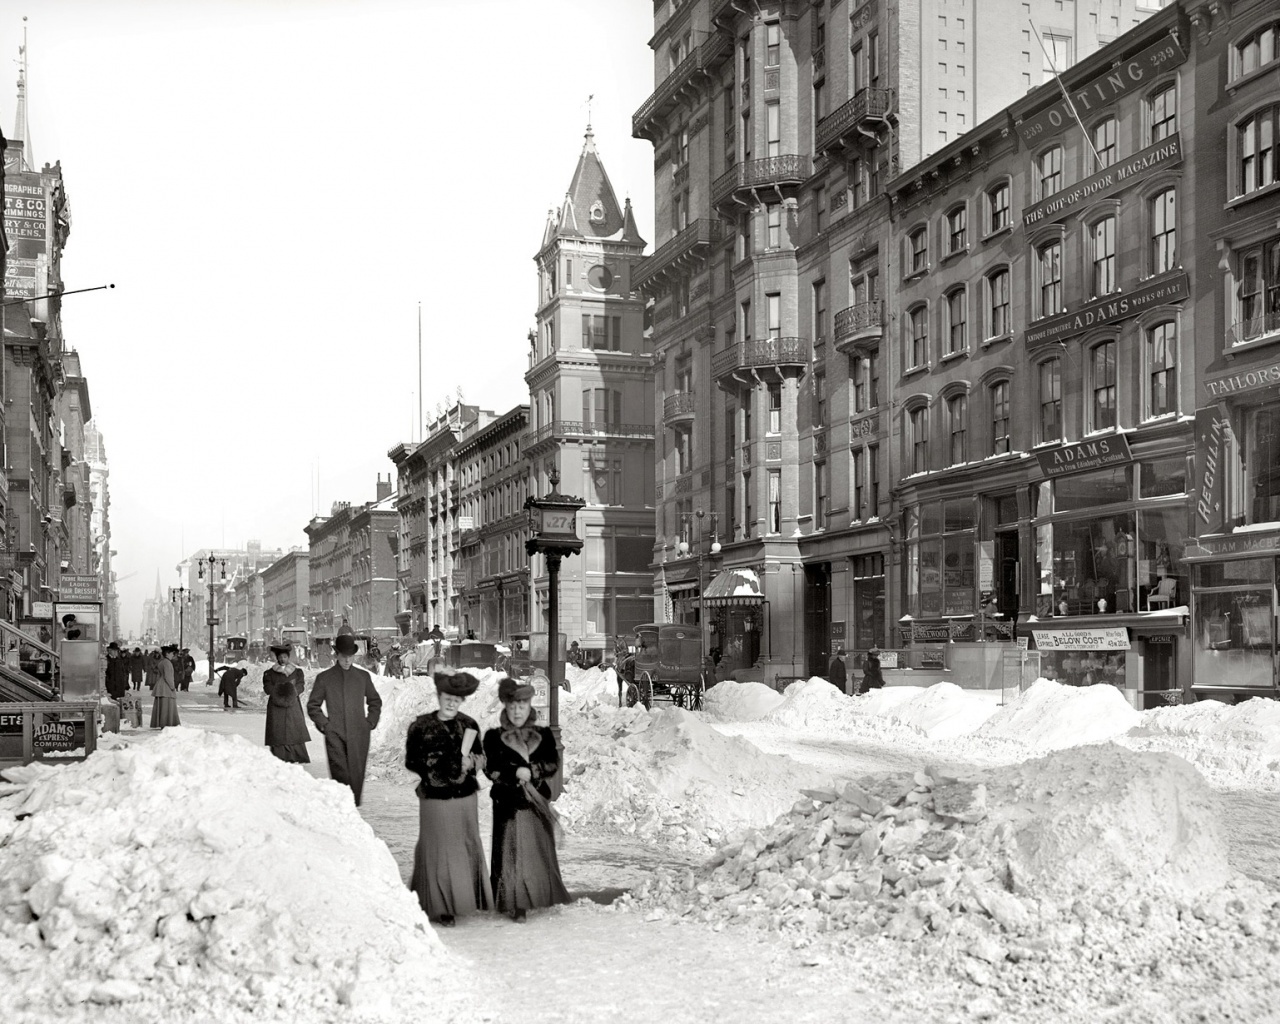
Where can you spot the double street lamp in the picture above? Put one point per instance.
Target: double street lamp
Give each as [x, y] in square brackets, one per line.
[687, 521]
[213, 561]
[181, 596]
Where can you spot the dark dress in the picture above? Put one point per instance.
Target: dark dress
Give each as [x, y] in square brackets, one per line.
[871, 677]
[449, 876]
[287, 732]
[524, 872]
[836, 673]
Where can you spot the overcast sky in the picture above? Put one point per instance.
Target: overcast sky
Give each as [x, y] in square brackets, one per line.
[273, 186]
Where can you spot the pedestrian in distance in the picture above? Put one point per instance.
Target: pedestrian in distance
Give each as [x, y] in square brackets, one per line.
[449, 874]
[871, 677]
[186, 666]
[836, 674]
[229, 678]
[137, 668]
[520, 758]
[395, 663]
[345, 707]
[164, 708]
[287, 734]
[150, 669]
[117, 676]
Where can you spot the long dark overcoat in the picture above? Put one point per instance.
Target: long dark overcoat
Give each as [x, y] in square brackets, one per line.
[286, 724]
[345, 706]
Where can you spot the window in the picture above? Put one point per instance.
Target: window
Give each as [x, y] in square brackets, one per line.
[866, 381]
[858, 182]
[1000, 439]
[919, 245]
[682, 449]
[859, 67]
[1258, 292]
[601, 408]
[772, 44]
[957, 229]
[775, 408]
[679, 212]
[1051, 400]
[819, 103]
[819, 399]
[940, 556]
[1164, 231]
[957, 428]
[1049, 172]
[773, 304]
[1104, 143]
[1162, 369]
[998, 322]
[1049, 274]
[1163, 108]
[602, 332]
[1102, 380]
[1057, 54]
[1102, 242]
[873, 59]
[998, 213]
[744, 235]
[730, 428]
[1256, 50]
[957, 316]
[773, 225]
[748, 510]
[859, 482]
[819, 311]
[1257, 141]
[775, 501]
[918, 438]
[773, 128]
[873, 479]
[820, 489]
[820, 209]
[746, 320]
[918, 342]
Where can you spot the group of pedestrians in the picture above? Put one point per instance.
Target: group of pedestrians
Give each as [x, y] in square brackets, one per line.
[872, 678]
[445, 749]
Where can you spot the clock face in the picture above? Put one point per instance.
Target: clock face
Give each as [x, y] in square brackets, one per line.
[600, 277]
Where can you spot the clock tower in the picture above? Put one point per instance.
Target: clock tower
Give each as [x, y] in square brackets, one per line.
[590, 408]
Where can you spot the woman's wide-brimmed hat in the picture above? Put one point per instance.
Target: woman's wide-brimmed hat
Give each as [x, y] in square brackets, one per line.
[511, 689]
[345, 643]
[285, 646]
[460, 684]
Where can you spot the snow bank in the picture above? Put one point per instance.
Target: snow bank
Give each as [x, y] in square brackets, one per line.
[1232, 745]
[196, 874]
[1050, 716]
[728, 701]
[810, 703]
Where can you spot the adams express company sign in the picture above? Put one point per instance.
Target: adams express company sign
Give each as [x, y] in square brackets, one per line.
[1164, 153]
[1126, 77]
[1112, 309]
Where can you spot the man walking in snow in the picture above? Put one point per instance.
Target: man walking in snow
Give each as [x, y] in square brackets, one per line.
[345, 706]
[836, 674]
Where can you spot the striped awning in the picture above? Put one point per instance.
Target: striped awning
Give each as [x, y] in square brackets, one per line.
[734, 587]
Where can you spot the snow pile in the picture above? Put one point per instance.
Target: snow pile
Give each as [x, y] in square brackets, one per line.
[197, 874]
[1232, 745]
[943, 711]
[1049, 716]
[810, 703]
[740, 702]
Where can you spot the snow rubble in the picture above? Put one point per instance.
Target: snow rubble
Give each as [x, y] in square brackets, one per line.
[195, 876]
[1089, 871]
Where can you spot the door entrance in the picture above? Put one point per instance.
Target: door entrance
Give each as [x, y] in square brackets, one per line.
[817, 618]
[1007, 574]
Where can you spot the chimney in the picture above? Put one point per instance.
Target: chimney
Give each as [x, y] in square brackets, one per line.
[384, 487]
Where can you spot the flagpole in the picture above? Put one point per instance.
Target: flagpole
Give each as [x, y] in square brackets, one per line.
[1097, 159]
[420, 421]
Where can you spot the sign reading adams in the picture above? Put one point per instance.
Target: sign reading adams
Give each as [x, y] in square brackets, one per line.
[1084, 455]
[1164, 153]
[1171, 287]
[1127, 77]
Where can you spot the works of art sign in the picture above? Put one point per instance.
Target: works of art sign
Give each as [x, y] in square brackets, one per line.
[1109, 639]
[1245, 380]
[1085, 455]
[1164, 153]
[1213, 436]
[1128, 77]
[1170, 287]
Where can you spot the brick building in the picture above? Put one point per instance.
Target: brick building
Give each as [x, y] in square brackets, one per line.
[285, 592]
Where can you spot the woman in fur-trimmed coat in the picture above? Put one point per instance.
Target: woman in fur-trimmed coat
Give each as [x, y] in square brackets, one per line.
[286, 733]
[519, 758]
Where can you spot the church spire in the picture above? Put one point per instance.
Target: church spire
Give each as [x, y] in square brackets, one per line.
[590, 208]
[21, 140]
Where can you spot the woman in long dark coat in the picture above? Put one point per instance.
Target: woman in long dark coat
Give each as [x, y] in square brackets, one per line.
[287, 733]
[164, 708]
[449, 876]
[871, 677]
[519, 758]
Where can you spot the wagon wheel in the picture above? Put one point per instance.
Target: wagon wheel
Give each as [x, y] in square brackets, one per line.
[632, 695]
[698, 689]
[679, 696]
[646, 690]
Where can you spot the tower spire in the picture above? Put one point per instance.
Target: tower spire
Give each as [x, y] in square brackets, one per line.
[21, 129]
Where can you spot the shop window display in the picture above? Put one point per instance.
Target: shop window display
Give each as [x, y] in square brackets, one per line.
[1084, 668]
[1234, 618]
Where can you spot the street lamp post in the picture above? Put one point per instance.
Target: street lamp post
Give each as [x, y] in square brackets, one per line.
[687, 521]
[181, 596]
[212, 619]
[553, 530]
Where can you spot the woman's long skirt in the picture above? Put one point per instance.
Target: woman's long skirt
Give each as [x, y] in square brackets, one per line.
[164, 711]
[525, 871]
[448, 862]
[294, 753]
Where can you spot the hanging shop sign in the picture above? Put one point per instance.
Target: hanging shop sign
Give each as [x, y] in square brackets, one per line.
[1165, 153]
[1171, 287]
[1085, 455]
[1213, 436]
[1129, 76]
[78, 588]
[1108, 639]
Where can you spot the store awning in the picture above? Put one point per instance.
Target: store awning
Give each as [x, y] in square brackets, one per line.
[682, 588]
[734, 587]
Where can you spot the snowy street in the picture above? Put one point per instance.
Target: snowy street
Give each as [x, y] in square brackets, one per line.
[1158, 930]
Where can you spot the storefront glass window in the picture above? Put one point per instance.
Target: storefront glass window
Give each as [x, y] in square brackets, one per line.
[1160, 477]
[940, 559]
[1089, 490]
[1162, 579]
[1234, 637]
[1094, 566]
[931, 577]
[1084, 668]
[1263, 460]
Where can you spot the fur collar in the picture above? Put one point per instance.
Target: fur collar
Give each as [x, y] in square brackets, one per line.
[523, 740]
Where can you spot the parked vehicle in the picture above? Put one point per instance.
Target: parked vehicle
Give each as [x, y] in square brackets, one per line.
[237, 649]
[668, 666]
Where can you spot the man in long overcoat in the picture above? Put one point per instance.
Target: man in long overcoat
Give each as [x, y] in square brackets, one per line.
[345, 706]
[137, 668]
[836, 673]
[117, 672]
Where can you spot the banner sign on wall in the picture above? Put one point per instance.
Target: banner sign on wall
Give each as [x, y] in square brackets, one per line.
[1213, 439]
[1108, 639]
[1084, 455]
[26, 206]
[1121, 174]
[1109, 310]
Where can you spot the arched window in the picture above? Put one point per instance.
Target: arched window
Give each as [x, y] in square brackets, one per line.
[1102, 254]
[1102, 384]
[918, 250]
[1049, 172]
[998, 313]
[917, 340]
[1049, 278]
[1050, 398]
[1257, 142]
[957, 229]
[957, 339]
[999, 399]
[1162, 369]
[1162, 113]
[1163, 209]
[1104, 143]
[1256, 50]
[958, 428]
[999, 216]
[918, 438]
